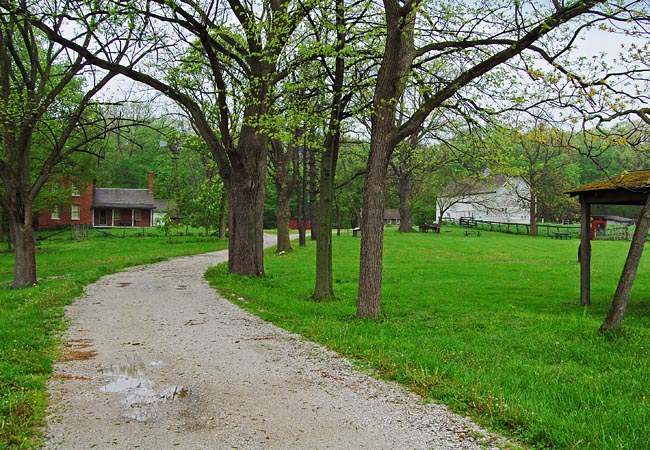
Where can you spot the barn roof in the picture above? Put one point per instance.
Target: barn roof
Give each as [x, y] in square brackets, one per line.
[475, 186]
[628, 188]
[123, 198]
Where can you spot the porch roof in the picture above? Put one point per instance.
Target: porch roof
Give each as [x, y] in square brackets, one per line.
[628, 188]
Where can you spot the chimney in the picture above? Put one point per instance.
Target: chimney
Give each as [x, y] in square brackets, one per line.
[151, 182]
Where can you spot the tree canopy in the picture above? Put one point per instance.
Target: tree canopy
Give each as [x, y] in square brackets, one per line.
[253, 76]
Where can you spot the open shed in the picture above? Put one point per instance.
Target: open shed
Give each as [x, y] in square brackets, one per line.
[628, 188]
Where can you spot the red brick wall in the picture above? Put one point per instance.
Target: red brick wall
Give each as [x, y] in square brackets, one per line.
[85, 201]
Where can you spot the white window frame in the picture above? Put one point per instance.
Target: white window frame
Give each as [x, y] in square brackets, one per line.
[75, 212]
[56, 213]
[75, 191]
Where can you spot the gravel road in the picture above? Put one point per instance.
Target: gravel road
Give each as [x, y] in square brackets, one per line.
[155, 359]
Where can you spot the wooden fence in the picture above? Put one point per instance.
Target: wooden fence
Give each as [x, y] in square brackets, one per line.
[550, 230]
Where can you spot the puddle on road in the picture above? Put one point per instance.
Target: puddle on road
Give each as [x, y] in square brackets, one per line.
[128, 377]
[142, 400]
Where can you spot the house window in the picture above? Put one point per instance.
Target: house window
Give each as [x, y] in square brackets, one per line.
[116, 215]
[56, 213]
[75, 191]
[138, 214]
[75, 212]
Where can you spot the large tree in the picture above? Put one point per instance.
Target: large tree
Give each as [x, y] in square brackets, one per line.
[338, 101]
[238, 45]
[471, 42]
[48, 115]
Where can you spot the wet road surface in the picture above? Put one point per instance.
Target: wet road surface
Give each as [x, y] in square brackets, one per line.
[155, 359]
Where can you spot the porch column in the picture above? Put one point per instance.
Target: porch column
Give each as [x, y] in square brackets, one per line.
[585, 252]
[132, 217]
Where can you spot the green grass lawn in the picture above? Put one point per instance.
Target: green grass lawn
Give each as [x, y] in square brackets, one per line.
[489, 325]
[31, 319]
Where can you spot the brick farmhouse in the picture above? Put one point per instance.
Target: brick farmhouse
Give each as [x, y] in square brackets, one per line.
[103, 208]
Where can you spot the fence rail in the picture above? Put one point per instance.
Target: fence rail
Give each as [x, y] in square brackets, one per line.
[545, 229]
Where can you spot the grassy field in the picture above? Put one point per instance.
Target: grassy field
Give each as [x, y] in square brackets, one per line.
[489, 325]
[31, 319]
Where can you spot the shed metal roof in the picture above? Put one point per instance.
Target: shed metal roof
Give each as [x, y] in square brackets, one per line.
[475, 186]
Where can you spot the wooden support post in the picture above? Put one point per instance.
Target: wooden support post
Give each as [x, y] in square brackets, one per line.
[585, 253]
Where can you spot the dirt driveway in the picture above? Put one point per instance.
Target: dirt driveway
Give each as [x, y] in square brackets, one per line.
[157, 360]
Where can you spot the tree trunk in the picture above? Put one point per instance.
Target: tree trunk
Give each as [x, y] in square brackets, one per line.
[282, 216]
[372, 227]
[246, 205]
[313, 194]
[584, 254]
[223, 215]
[619, 303]
[398, 57]
[282, 158]
[338, 219]
[533, 214]
[404, 192]
[22, 235]
[324, 286]
[302, 202]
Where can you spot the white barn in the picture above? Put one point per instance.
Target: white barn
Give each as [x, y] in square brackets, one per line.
[497, 198]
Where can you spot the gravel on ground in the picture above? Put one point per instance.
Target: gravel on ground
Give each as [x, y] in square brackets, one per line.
[156, 359]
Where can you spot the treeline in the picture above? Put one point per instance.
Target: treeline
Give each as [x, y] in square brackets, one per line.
[309, 100]
[549, 160]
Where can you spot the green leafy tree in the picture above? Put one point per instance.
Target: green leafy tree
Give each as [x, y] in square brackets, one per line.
[468, 57]
[49, 118]
[205, 207]
[349, 181]
[237, 44]
[542, 157]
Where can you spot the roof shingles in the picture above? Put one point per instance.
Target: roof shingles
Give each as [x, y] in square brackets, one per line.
[123, 198]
